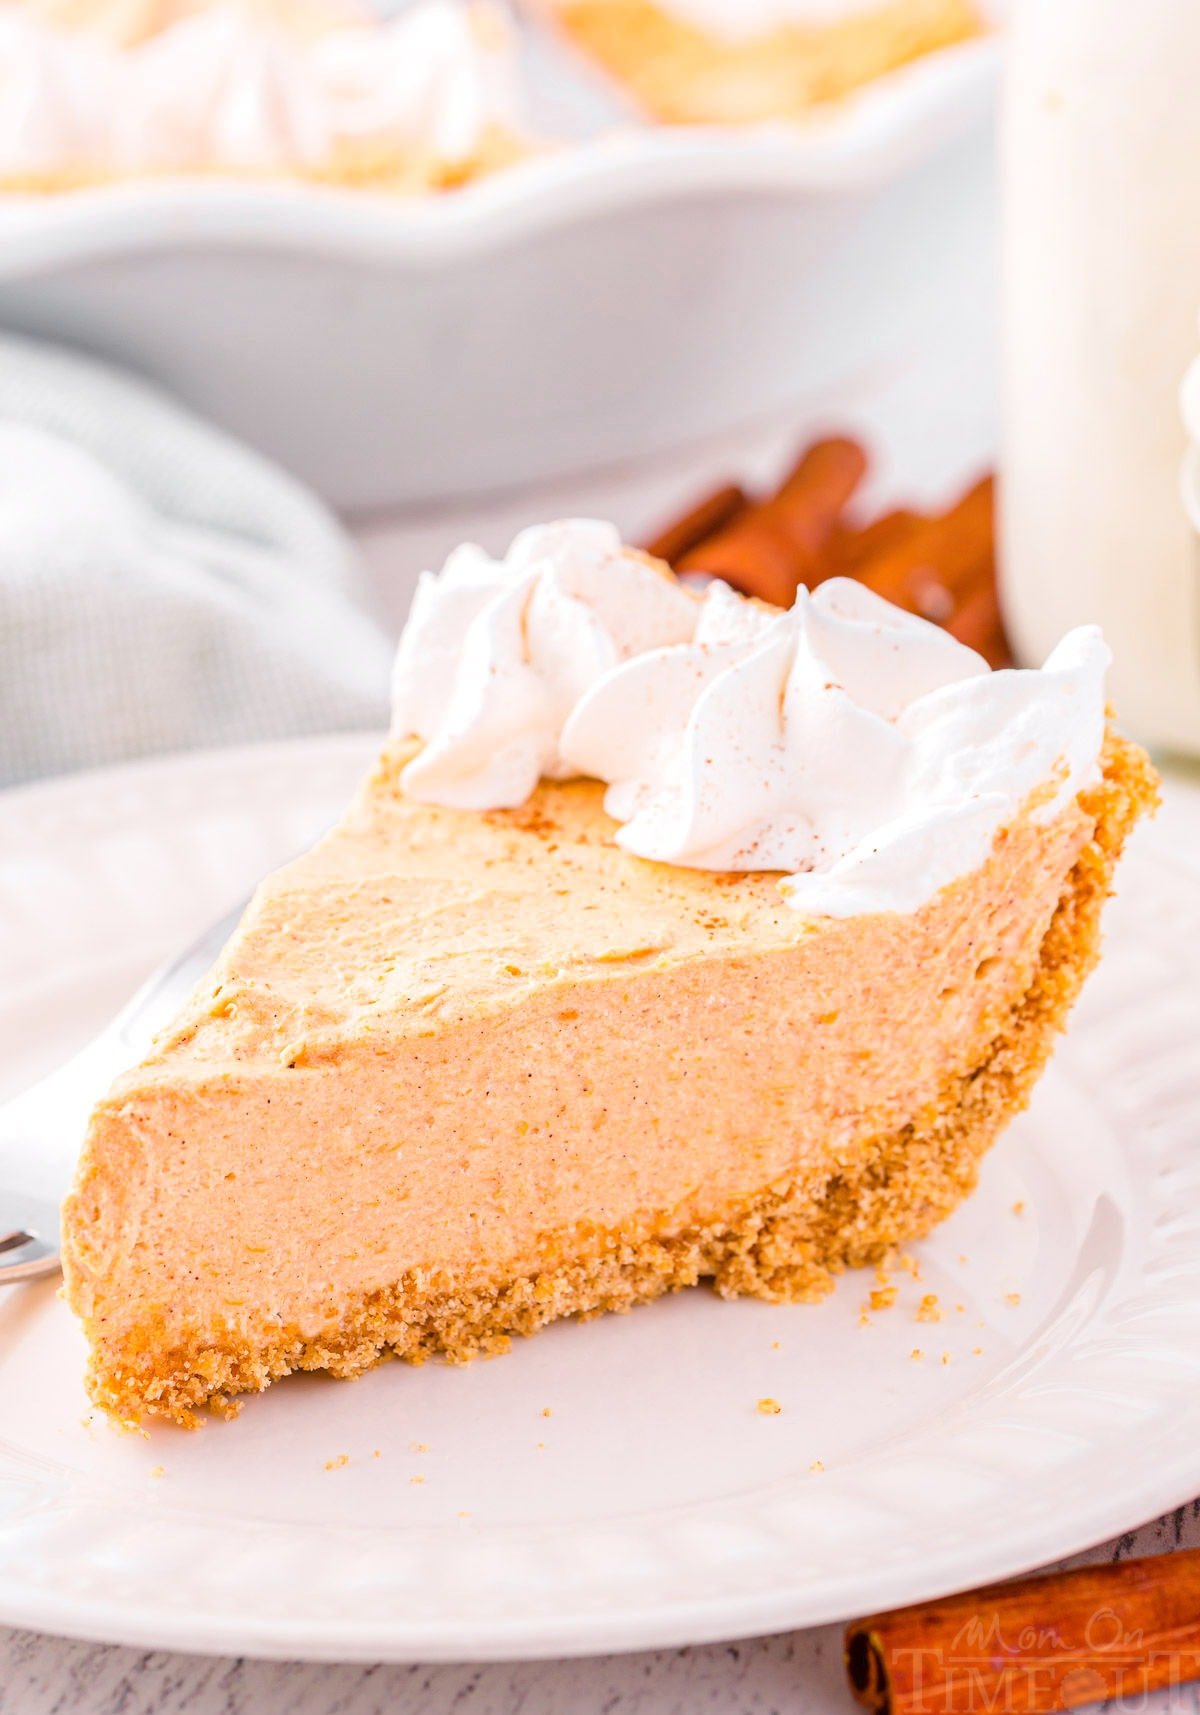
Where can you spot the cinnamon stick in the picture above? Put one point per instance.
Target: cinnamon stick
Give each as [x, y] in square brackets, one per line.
[955, 551]
[980, 625]
[1042, 1644]
[941, 567]
[704, 520]
[852, 549]
[771, 548]
[819, 485]
[757, 556]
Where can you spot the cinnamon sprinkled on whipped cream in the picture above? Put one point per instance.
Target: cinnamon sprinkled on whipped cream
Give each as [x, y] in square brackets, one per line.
[859, 750]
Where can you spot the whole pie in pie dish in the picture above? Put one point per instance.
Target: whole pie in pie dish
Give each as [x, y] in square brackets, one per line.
[673, 938]
[745, 61]
[97, 90]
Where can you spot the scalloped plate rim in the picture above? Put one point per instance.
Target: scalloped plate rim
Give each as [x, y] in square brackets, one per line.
[1171, 1481]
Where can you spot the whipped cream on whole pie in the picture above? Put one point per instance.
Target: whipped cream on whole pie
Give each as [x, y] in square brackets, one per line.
[126, 22]
[55, 96]
[231, 88]
[856, 748]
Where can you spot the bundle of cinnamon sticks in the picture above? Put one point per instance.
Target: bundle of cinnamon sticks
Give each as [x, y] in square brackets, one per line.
[941, 566]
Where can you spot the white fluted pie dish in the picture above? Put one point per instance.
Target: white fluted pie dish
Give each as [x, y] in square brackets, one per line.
[608, 299]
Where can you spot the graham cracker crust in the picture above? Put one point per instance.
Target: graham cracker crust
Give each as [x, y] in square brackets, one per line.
[786, 1243]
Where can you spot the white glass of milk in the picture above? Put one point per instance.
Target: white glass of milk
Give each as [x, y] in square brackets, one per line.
[1101, 155]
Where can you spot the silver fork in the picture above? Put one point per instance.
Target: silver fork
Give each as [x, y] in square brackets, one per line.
[40, 1130]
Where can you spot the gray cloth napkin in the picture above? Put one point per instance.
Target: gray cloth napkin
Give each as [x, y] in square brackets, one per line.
[161, 585]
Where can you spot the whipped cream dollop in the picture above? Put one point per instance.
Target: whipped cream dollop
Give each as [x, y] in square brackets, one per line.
[232, 88]
[54, 97]
[127, 22]
[855, 748]
[497, 654]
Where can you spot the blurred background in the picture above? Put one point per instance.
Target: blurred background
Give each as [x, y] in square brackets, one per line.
[406, 278]
[296, 295]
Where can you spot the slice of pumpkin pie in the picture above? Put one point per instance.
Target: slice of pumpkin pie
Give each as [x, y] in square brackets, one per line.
[672, 938]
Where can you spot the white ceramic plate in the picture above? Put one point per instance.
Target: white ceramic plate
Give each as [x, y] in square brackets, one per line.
[653, 1504]
[637, 290]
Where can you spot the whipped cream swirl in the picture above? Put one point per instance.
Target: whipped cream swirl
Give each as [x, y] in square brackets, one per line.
[497, 653]
[857, 749]
[228, 89]
[55, 93]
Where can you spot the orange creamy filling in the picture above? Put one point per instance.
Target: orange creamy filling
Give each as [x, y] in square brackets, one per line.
[470, 1043]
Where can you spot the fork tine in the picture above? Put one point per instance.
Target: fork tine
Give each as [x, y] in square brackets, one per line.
[38, 1267]
[29, 1228]
[28, 1239]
